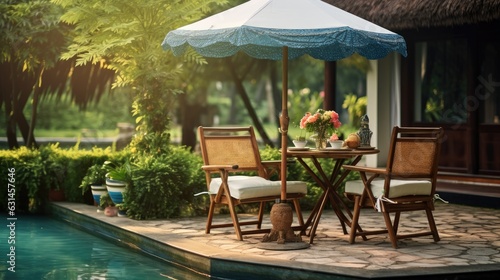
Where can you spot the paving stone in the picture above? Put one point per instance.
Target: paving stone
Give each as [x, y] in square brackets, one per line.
[482, 251]
[381, 261]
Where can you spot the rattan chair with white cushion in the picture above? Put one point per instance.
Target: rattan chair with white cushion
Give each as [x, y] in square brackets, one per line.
[227, 151]
[408, 183]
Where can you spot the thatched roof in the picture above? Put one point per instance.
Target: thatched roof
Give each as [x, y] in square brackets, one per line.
[415, 14]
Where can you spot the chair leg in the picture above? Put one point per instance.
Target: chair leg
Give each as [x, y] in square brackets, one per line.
[397, 216]
[210, 216]
[234, 217]
[355, 219]
[432, 224]
[261, 214]
[390, 229]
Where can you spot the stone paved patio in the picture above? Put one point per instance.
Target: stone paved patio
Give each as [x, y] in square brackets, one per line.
[470, 243]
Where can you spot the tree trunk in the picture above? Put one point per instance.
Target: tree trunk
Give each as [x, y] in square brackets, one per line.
[189, 122]
[11, 122]
[22, 124]
[10, 110]
[17, 93]
[30, 142]
[248, 105]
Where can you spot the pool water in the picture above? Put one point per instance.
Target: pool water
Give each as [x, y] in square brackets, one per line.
[51, 249]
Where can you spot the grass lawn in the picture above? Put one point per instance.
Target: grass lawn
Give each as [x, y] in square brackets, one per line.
[73, 133]
[271, 129]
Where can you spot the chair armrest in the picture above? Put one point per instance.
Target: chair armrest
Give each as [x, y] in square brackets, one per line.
[271, 167]
[373, 174]
[381, 171]
[219, 167]
[271, 163]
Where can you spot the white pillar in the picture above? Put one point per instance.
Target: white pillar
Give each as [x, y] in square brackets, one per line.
[383, 92]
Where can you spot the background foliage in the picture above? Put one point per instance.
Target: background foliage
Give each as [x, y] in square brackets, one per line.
[125, 37]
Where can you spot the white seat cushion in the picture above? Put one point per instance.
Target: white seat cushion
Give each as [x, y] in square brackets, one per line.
[244, 187]
[398, 188]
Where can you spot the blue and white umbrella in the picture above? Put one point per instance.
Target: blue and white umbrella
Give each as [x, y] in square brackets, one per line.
[285, 29]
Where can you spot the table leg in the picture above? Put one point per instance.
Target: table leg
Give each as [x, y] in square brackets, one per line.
[314, 213]
[315, 223]
[340, 202]
[314, 216]
[330, 187]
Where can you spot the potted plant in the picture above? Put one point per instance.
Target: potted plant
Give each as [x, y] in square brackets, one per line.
[95, 179]
[107, 204]
[117, 179]
[121, 210]
[57, 169]
[300, 141]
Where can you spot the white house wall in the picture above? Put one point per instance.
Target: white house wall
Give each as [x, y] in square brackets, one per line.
[384, 106]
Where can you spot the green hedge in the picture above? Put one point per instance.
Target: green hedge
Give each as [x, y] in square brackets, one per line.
[38, 172]
[25, 168]
[162, 187]
[65, 168]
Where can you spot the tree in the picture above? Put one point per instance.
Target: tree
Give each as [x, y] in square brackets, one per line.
[31, 40]
[126, 37]
[236, 70]
[29, 36]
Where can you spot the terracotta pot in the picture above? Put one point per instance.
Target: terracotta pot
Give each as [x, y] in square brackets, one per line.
[111, 211]
[56, 195]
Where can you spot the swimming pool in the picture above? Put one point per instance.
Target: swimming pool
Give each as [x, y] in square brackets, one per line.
[50, 249]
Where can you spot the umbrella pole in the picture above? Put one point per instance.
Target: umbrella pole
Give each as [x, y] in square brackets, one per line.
[281, 213]
[284, 121]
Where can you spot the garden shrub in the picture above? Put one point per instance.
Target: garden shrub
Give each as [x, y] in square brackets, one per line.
[163, 186]
[294, 170]
[28, 173]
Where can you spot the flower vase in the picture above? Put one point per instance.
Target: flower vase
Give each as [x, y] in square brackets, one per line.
[320, 139]
[321, 143]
